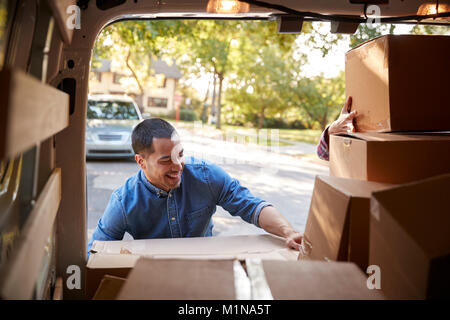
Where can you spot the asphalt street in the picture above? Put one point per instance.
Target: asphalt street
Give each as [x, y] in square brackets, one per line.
[283, 180]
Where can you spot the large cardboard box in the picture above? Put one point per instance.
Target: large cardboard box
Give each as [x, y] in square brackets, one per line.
[117, 258]
[400, 83]
[338, 221]
[318, 280]
[157, 279]
[410, 239]
[387, 157]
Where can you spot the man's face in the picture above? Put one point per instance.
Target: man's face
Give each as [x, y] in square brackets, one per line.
[163, 167]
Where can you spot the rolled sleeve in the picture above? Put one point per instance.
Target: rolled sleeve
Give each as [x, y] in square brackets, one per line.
[232, 196]
[258, 209]
[323, 147]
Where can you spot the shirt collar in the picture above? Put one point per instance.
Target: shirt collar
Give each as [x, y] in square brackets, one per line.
[157, 191]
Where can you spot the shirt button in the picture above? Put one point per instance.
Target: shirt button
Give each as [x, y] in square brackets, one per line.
[173, 218]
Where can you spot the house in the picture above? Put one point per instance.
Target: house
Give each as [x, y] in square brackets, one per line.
[159, 98]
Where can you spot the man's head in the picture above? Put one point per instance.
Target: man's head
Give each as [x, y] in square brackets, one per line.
[158, 152]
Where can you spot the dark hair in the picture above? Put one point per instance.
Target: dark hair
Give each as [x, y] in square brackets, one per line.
[144, 132]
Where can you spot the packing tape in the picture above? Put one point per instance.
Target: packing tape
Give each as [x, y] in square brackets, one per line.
[260, 290]
[242, 285]
[305, 248]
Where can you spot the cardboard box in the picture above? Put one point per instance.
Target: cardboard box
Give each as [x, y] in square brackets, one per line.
[109, 288]
[99, 265]
[157, 279]
[410, 239]
[389, 158]
[117, 258]
[317, 280]
[338, 221]
[400, 83]
[160, 279]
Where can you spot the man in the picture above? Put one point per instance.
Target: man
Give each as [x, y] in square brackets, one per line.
[173, 198]
[343, 124]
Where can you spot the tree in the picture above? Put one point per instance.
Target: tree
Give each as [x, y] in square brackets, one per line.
[259, 89]
[136, 43]
[369, 31]
[320, 99]
[260, 72]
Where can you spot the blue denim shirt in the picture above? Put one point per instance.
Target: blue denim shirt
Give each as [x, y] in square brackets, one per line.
[147, 212]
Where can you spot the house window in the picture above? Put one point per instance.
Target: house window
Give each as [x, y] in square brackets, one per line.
[116, 78]
[157, 103]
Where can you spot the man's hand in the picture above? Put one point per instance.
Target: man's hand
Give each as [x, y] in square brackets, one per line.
[294, 240]
[271, 220]
[344, 123]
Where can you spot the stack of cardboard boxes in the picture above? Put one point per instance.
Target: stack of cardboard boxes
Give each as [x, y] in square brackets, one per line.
[387, 200]
[249, 267]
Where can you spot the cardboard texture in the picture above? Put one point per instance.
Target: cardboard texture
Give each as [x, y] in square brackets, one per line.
[390, 158]
[317, 280]
[338, 221]
[159, 279]
[109, 288]
[410, 239]
[117, 258]
[400, 83]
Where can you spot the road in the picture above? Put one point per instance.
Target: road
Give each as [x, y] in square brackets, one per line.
[283, 180]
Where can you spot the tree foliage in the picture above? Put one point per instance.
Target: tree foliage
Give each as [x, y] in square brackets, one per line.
[257, 70]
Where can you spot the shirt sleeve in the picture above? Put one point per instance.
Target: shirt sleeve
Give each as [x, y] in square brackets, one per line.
[233, 197]
[323, 146]
[111, 225]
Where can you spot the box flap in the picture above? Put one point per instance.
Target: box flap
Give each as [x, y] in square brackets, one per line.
[331, 232]
[422, 209]
[354, 188]
[156, 279]
[101, 260]
[326, 222]
[198, 246]
[109, 288]
[317, 280]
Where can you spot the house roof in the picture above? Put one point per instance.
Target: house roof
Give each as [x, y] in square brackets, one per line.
[158, 66]
[104, 67]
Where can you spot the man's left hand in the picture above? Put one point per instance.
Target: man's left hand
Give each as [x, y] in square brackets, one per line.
[294, 240]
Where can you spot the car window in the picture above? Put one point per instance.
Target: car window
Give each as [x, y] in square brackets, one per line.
[117, 110]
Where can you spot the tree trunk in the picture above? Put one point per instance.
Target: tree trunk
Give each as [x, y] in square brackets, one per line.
[219, 101]
[205, 104]
[261, 119]
[213, 102]
[323, 123]
[139, 97]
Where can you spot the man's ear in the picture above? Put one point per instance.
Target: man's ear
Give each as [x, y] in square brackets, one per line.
[140, 160]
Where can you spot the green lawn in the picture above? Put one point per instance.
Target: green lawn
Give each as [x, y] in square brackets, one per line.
[305, 135]
[250, 135]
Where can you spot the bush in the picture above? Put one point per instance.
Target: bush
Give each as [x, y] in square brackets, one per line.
[297, 124]
[275, 123]
[188, 115]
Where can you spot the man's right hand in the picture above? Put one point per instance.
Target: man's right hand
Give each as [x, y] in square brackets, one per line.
[344, 123]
